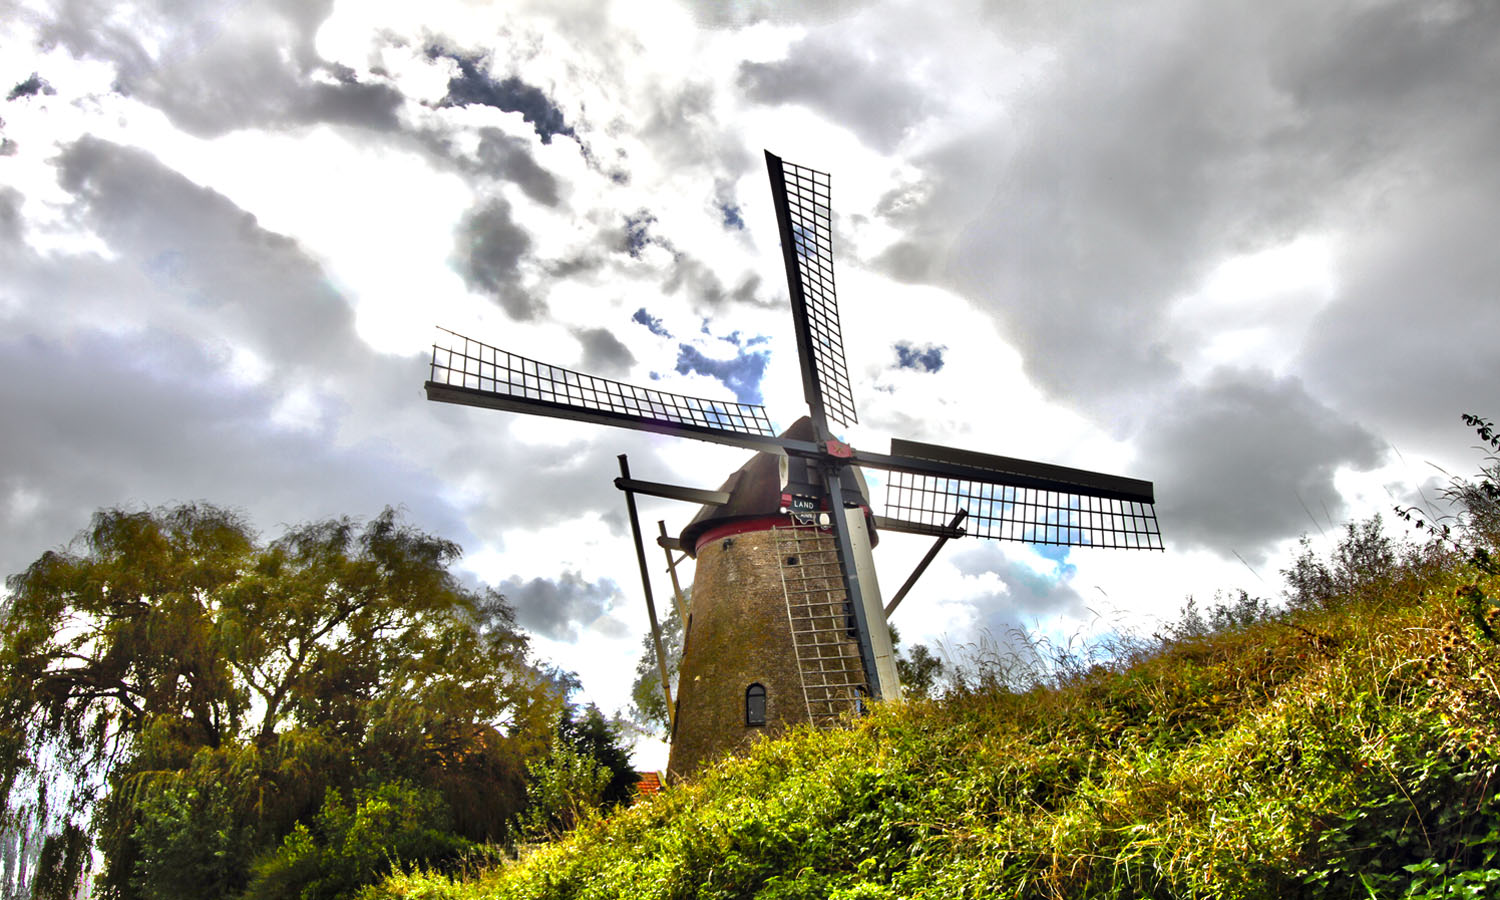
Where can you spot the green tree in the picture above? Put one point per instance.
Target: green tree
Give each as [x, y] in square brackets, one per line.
[919, 669]
[1239, 611]
[170, 663]
[590, 734]
[648, 704]
[1362, 558]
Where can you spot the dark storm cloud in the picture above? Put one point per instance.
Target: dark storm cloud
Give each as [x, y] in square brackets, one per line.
[135, 350]
[741, 374]
[707, 291]
[30, 87]
[488, 247]
[151, 419]
[928, 358]
[503, 156]
[863, 91]
[473, 85]
[1236, 461]
[1410, 334]
[603, 354]
[1411, 339]
[186, 241]
[560, 608]
[1144, 157]
[199, 276]
[213, 69]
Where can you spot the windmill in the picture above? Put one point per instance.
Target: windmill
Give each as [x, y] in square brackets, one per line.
[789, 623]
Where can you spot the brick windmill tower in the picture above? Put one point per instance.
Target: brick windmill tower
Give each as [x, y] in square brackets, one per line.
[786, 623]
[770, 638]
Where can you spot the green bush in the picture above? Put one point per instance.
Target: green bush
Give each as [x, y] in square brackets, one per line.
[1362, 559]
[193, 842]
[565, 787]
[353, 844]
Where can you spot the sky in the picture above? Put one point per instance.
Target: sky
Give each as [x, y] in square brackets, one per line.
[1242, 249]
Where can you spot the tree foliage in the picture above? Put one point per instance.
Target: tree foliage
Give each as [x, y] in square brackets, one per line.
[919, 669]
[648, 702]
[348, 845]
[1238, 611]
[1362, 559]
[197, 692]
[587, 731]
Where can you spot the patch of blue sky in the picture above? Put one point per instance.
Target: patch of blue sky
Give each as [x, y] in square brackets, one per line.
[1054, 527]
[732, 217]
[636, 237]
[922, 359]
[652, 323]
[742, 374]
[1058, 556]
[473, 85]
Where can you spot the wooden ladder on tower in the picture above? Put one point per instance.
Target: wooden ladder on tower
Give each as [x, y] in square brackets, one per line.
[817, 608]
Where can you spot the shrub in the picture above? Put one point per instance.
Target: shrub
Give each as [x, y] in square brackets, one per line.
[566, 787]
[351, 845]
[193, 842]
[1363, 558]
[1239, 611]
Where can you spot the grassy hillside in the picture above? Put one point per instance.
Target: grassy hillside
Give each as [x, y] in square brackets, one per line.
[1347, 750]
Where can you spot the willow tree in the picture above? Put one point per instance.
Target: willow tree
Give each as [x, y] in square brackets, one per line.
[170, 663]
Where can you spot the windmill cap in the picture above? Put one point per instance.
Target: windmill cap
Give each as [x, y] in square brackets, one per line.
[755, 495]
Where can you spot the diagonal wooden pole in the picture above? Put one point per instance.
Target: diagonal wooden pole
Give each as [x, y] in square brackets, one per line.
[926, 561]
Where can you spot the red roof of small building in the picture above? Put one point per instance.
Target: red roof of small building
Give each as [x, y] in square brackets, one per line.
[648, 783]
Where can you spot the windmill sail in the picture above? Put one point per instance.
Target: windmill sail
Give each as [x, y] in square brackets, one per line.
[803, 211]
[469, 372]
[1017, 500]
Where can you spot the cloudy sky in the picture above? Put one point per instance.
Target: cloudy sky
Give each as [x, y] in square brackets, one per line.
[1244, 250]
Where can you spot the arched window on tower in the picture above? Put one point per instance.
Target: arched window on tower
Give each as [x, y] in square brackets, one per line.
[755, 704]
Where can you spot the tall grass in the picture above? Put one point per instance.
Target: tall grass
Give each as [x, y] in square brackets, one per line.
[1347, 748]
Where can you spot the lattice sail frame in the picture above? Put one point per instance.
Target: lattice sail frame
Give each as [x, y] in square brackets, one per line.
[477, 366]
[1030, 515]
[809, 204]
